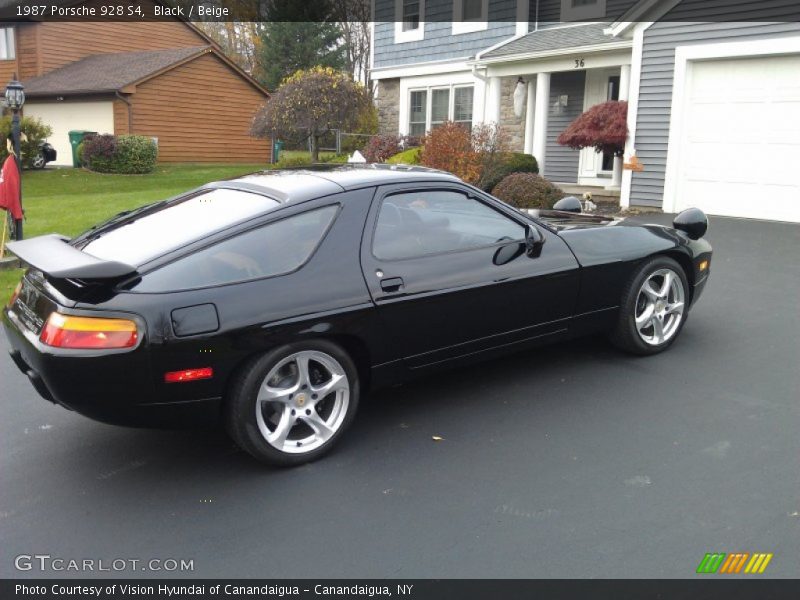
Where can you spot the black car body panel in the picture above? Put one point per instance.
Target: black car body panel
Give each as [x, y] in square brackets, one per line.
[518, 301]
[396, 318]
[53, 255]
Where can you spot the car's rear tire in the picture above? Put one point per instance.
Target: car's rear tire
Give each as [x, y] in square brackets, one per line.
[292, 404]
[653, 308]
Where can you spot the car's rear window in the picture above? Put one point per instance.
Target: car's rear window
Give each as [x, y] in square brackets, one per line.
[277, 248]
[176, 224]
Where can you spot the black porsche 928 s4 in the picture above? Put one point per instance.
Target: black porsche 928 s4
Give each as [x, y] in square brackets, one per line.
[273, 301]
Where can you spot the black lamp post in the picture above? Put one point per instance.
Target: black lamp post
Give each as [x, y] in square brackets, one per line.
[15, 98]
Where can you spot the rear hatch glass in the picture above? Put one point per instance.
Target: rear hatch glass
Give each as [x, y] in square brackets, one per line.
[162, 228]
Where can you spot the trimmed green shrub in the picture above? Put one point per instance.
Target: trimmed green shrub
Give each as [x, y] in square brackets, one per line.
[293, 161]
[79, 153]
[510, 162]
[407, 157]
[136, 154]
[33, 128]
[125, 154]
[528, 190]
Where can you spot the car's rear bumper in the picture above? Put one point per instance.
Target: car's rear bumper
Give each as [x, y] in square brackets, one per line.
[115, 388]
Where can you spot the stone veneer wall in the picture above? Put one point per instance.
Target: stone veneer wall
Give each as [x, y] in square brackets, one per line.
[513, 125]
[388, 105]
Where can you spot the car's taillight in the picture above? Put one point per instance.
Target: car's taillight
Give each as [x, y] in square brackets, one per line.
[67, 331]
[15, 294]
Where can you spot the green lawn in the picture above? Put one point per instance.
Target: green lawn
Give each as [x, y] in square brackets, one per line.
[69, 201]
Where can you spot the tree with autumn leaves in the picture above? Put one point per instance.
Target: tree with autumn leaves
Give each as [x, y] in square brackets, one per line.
[603, 127]
[311, 103]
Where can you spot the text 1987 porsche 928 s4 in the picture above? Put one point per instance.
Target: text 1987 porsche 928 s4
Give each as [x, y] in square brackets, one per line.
[273, 301]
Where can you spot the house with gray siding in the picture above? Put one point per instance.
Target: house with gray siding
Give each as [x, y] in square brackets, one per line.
[712, 87]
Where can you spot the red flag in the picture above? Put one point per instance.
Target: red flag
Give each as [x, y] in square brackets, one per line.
[9, 188]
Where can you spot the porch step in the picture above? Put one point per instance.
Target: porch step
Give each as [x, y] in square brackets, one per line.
[600, 195]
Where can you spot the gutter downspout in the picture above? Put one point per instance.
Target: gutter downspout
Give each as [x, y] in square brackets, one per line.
[130, 110]
[477, 75]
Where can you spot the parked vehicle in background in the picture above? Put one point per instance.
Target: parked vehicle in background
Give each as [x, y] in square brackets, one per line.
[46, 155]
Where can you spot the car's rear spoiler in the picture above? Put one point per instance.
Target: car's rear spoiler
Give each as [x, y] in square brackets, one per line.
[54, 256]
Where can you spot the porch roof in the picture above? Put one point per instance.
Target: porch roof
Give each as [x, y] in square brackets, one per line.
[549, 40]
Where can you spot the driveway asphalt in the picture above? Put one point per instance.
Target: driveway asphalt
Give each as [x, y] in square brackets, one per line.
[571, 461]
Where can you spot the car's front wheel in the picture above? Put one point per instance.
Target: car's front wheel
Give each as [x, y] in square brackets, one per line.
[654, 307]
[289, 406]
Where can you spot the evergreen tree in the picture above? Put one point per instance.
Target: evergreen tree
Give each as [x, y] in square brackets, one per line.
[298, 35]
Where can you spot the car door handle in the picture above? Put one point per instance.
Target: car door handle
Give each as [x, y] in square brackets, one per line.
[392, 284]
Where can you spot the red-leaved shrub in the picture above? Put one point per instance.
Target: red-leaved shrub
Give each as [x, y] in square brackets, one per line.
[474, 156]
[382, 147]
[603, 127]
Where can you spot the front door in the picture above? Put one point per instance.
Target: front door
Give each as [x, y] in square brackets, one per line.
[602, 85]
[448, 271]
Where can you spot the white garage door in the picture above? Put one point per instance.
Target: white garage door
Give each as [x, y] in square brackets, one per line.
[66, 116]
[740, 146]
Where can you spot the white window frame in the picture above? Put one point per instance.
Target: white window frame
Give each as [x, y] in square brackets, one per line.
[453, 89]
[9, 36]
[412, 35]
[406, 124]
[581, 13]
[460, 26]
[429, 115]
[427, 109]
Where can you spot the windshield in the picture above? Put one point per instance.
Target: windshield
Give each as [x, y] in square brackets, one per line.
[170, 226]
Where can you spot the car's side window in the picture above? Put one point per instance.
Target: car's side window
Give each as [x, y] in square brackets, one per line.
[424, 222]
[274, 249]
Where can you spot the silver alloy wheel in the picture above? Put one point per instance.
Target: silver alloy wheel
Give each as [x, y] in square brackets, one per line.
[302, 402]
[659, 307]
[38, 162]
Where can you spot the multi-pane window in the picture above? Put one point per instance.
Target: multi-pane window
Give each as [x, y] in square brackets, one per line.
[6, 43]
[440, 107]
[431, 107]
[471, 10]
[410, 15]
[418, 113]
[462, 106]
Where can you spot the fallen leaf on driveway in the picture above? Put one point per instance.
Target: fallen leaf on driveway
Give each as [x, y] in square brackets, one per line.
[436, 438]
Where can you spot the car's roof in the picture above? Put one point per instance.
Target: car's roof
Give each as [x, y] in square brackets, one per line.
[297, 185]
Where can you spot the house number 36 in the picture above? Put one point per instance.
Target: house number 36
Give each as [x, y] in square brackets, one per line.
[579, 62]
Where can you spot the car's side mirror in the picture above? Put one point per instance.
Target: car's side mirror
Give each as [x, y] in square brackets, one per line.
[534, 240]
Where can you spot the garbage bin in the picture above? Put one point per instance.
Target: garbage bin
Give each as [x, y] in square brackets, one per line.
[76, 136]
[277, 148]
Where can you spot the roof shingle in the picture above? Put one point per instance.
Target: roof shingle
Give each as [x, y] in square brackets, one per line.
[543, 40]
[106, 72]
